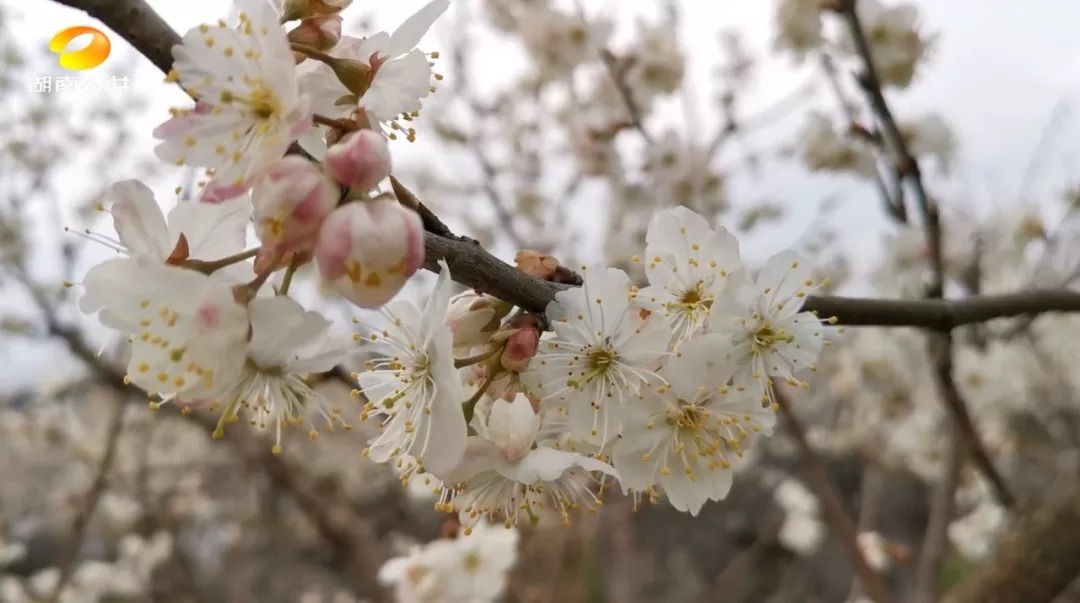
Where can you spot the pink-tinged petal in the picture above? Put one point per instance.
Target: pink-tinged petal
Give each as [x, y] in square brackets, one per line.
[217, 191]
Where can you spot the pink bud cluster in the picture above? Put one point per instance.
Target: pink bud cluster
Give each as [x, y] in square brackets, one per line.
[365, 248]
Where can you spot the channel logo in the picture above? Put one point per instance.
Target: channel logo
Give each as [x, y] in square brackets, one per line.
[93, 55]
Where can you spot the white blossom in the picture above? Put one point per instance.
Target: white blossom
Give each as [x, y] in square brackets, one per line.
[762, 318]
[687, 263]
[471, 568]
[287, 344]
[506, 471]
[399, 75]
[600, 357]
[249, 107]
[413, 383]
[686, 436]
[799, 26]
[897, 44]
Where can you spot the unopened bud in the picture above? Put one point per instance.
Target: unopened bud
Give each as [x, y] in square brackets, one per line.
[473, 317]
[292, 10]
[328, 7]
[369, 249]
[522, 344]
[290, 202]
[536, 264]
[360, 160]
[321, 33]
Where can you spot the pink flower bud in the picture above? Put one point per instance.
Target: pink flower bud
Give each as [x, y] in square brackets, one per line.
[290, 202]
[321, 33]
[473, 317]
[361, 160]
[522, 344]
[367, 250]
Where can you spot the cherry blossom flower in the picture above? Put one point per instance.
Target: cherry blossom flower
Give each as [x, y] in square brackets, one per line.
[599, 357]
[799, 26]
[687, 264]
[471, 568]
[897, 44]
[192, 231]
[188, 334]
[686, 436]
[505, 472]
[287, 344]
[397, 78]
[822, 149]
[249, 107]
[415, 385]
[771, 337]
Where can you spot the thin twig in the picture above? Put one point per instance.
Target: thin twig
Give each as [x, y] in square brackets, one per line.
[936, 539]
[618, 76]
[893, 201]
[869, 493]
[940, 344]
[832, 506]
[81, 522]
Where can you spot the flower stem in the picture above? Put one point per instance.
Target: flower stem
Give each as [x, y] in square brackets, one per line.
[482, 356]
[313, 53]
[341, 124]
[286, 280]
[469, 406]
[211, 266]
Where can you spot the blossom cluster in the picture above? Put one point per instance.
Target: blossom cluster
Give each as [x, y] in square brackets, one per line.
[507, 414]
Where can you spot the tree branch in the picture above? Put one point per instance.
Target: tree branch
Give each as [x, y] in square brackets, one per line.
[935, 544]
[831, 504]
[940, 344]
[81, 522]
[1036, 558]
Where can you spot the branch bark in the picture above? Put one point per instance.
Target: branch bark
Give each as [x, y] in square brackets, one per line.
[1036, 558]
[832, 506]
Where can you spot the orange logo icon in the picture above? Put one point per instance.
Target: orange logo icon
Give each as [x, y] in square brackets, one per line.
[93, 55]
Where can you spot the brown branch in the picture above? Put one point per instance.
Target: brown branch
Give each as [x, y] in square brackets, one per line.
[935, 544]
[908, 169]
[618, 73]
[893, 202]
[954, 403]
[81, 522]
[831, 504]
[1035, 559]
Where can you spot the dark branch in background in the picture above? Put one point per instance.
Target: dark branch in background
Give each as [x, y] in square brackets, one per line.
[893, 201]
[1036, 559]
[940, 344]
[343, 536]
[832, 506]
[617, 69]
[935, 546]
[81, 522]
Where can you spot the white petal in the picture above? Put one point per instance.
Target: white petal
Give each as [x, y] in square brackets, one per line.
[548, 465]
[212, 230]
[408, 35]
[512, 426]
[701, 362]
[138, 219]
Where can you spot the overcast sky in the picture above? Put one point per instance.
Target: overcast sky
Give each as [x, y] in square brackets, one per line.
[999, 70]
